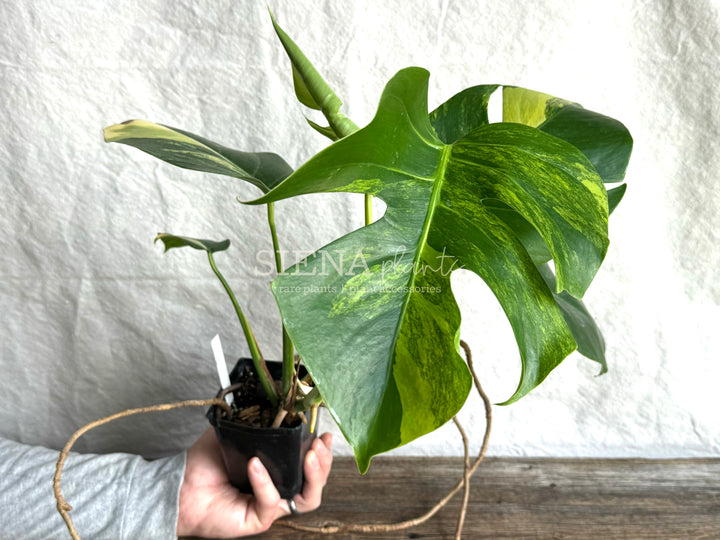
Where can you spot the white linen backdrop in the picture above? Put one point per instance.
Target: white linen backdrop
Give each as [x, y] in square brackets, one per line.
[95, 319]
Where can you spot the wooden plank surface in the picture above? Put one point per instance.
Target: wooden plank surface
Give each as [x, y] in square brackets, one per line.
[527, 498]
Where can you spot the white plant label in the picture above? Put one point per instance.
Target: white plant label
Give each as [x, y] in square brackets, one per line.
[222, 370]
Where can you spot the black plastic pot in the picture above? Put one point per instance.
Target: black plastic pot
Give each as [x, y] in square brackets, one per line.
[282, 450]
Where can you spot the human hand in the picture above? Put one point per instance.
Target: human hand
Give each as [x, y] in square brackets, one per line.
[210, 507]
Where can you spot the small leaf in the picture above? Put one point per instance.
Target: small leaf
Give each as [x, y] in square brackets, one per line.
[264, 170]
[171, 241]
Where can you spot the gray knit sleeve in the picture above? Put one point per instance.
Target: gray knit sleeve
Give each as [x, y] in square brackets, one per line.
[114, 496]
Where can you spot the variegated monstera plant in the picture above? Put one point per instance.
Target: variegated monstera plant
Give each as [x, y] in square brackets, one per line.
[501, 199]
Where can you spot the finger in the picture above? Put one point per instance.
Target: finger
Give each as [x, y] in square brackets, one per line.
[324, 452]
[267, 499]
[317, 468]
[314, 483]
[327, 439]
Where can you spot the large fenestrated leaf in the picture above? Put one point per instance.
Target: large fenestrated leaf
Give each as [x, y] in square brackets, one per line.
[264, 170]
[372, 314]
[585, 330]
[604, 141]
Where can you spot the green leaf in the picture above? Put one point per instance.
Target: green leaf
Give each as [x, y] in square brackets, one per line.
[604, 141]
[210, 246]
[462, 113]
[615, 195]
[373, 315]
[590, 132]
[526, 233]
[587, 334]
[171, 241]
[585, 331]
[264, 170]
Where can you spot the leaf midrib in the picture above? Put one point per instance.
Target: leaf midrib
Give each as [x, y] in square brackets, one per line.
[438, 179]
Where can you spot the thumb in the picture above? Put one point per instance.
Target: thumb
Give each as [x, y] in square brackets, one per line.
[267, 499]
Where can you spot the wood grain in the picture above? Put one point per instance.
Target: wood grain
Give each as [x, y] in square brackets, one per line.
[527, 498]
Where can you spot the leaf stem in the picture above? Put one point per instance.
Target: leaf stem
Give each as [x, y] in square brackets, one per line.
[288, 369]
[257, 358]
[309, 401]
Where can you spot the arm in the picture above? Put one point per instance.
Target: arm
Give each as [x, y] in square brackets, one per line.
[123, 496]
[115, 496]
